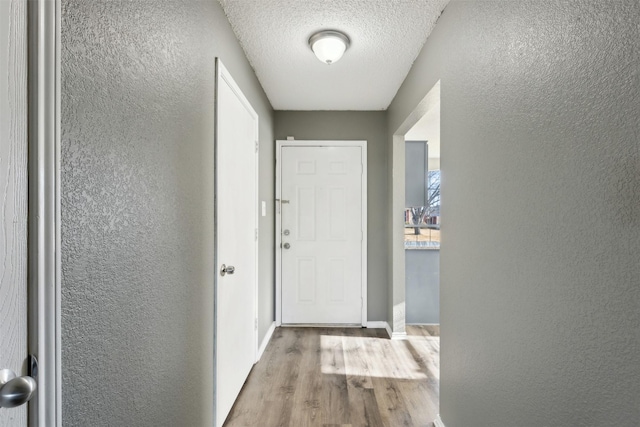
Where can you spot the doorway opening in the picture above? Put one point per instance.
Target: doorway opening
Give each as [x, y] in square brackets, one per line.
[416, 235]
[422, 218]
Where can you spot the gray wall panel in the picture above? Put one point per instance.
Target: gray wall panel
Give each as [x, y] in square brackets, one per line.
[540, 295]
[137, 208]
[415, 173]
[423, 286]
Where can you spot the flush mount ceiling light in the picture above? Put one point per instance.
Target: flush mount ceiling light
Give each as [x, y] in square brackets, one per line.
[329, 45]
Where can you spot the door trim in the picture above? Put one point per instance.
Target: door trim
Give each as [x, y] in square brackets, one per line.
[44, 279]
[221, 73]
[278, 228]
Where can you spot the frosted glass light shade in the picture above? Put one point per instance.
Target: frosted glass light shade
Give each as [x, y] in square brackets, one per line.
[329, 46]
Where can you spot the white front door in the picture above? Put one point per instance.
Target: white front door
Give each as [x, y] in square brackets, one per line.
[322, 231]
[13, 193]
[236, 241]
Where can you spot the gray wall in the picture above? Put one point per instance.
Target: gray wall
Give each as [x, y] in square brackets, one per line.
[355, 125]
[415, 173]
[422, 274]
[137, 208]
[540, 298]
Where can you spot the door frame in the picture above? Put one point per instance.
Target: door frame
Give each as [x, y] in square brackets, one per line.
[362, 144]
[221, 73]
[43, 245]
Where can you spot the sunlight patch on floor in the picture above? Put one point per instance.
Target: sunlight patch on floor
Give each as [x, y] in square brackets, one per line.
[368, 357]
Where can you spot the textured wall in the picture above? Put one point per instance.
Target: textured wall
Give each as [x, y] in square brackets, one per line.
[355, 125]
[137, 208]
[540, 271]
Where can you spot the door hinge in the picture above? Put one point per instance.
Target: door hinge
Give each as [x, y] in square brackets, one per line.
[257, 145]
[255, 324]
[256, 234]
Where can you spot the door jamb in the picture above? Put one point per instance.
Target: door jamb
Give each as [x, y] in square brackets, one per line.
[43, 285]
[278, 226]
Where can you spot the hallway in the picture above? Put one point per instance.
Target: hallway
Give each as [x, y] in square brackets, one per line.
[343, 377]
[112, 267]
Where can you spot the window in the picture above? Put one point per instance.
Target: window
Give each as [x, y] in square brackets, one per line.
[422, 223]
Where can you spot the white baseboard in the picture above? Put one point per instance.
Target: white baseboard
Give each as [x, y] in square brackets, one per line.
[399, 336]
[380, 325]
[438, 422]
[321, 325]
[377, 325]
[265, 340]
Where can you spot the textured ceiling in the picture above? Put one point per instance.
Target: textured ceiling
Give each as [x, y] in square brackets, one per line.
[386, 36]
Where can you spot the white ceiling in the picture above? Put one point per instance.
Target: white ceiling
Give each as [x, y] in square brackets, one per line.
[386, 37]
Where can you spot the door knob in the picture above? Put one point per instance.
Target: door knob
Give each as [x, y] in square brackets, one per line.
[227, 270]
[286, 246]
[15, 391]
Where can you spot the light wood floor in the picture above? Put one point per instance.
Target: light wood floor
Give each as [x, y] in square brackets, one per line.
[342, 377]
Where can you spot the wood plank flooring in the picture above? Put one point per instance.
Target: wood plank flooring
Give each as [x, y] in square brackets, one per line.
[347, 377]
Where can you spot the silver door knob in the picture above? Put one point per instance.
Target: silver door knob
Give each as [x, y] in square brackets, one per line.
[15, 391]
[286, 246]
[227, 269]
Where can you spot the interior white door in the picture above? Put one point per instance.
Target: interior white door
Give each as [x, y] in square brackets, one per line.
[322, 232]
[13, 193]
[236, 241]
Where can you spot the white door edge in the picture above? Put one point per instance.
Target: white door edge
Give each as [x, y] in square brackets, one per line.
[278, 228]
[222, 73]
